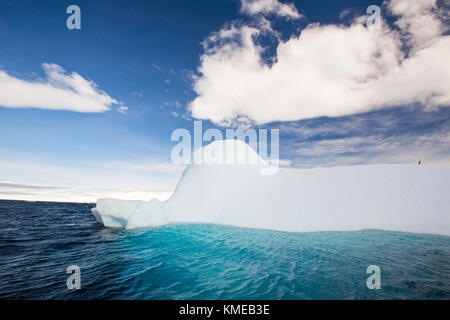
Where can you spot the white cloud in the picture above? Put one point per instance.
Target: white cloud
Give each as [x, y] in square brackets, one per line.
[119, 179]
[404, 135]
[430, 148]
[32, 193]
[122, 109]
[418, 20]
[265, 7]
[60, 91]
[329, 70]
[284, 162]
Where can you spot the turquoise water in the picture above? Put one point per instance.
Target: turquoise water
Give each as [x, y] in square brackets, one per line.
[39, 240]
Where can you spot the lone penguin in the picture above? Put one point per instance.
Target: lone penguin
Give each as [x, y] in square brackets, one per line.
[420, 161]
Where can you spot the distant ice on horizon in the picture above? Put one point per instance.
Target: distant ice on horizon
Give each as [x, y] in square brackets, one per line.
[405, 198]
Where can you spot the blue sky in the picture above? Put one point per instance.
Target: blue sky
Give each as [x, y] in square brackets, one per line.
[158, 60]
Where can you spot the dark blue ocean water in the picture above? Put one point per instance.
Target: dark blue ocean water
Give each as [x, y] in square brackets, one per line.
[38, 241]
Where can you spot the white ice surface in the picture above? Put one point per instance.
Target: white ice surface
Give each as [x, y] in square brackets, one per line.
[407, 198]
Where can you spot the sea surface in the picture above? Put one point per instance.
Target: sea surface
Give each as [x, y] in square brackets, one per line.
[39, 240]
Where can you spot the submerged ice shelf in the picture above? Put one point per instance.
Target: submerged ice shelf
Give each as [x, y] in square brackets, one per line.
[408, 198]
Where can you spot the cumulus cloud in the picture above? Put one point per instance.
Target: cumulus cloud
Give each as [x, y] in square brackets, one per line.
[419, 21]
[60, 91]
[326, 70]
[267, 7]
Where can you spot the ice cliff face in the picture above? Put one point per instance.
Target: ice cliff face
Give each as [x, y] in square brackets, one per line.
[406, 198]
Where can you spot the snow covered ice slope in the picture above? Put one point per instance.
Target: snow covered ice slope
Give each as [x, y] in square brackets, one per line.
[407, 198]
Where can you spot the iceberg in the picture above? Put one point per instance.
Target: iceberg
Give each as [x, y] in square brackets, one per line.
[400, 197]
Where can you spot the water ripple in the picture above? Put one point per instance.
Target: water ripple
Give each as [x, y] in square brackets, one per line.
[38, 241]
